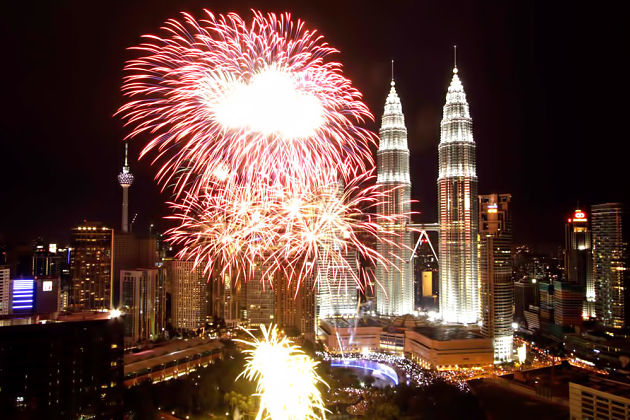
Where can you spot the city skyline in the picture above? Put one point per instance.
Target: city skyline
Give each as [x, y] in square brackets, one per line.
[83, 153]
[263, 263]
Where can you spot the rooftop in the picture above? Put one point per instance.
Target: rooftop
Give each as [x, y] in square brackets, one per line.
[447, 332]
[620, 389]
[354, 322]
[10, 321]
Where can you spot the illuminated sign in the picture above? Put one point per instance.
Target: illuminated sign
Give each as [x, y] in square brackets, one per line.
[23, 293]
[47, 286]
[52, 248]
[579, 216]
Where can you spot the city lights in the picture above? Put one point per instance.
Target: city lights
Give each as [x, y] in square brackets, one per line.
[297, 232]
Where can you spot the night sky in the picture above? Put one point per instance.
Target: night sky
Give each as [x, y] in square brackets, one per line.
[546, 87]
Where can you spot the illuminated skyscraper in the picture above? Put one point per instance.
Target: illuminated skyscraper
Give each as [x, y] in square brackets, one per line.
[337, 294]
[257, 297]
[91, 266]
[609, 264]
[495, 265]
[294, 307]
[578, 259]
[143, 301]
[125, 179]
[188, 294]
[394, 294]
[458, 210]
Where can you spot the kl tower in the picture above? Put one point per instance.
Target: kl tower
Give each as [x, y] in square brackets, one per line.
[125, 179]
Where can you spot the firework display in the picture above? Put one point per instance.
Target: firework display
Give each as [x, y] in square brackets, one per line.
[285, 377]
[256, 100]
[259, 140]
[284, 230]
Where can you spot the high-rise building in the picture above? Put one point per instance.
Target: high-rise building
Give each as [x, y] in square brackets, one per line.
[294, 307]
[525, 295]
[71, 368]
[225, 293]
[578, 259]
[394, 291]
[610, 270]
[495, 266]
[125, 179]
[568, 300]
[132, 251]
[458, 210]
[188, 294]
[91, 266]
[49, 260]
[336, 294]
[257, 299]
[545, 294]
[143, 302]
[5, 290]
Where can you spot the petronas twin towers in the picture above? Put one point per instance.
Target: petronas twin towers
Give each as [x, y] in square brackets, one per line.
[457, 211]
[394, 294]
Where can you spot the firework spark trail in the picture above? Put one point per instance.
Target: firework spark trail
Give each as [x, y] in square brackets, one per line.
[253, 129]
[254, 98]
[286, 232]
[285, 377]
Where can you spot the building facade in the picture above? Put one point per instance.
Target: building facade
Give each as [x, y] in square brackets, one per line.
[62, 370]
[91, 266]
[609, 264]
[458, 210]
[49, 260]
[294, 307]
[495, 265]
[188, 294]
[257, 299]
[130, 252]
[337, 293]
[568, 300]
[143, 302]
[23, 296]
[578, 258]
[525, 295]
[394, 291]
[47, 295]
[599, 398]
[5, 290]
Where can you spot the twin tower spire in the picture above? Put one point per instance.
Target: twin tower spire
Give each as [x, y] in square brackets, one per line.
[457, 210]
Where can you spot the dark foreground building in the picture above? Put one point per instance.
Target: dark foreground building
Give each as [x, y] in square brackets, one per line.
[71, 369]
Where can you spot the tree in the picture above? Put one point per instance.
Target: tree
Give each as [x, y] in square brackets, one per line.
[385, 410]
